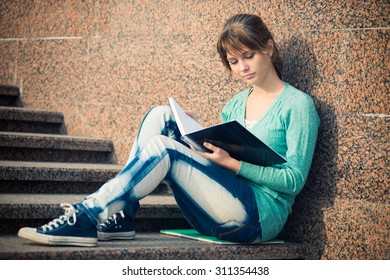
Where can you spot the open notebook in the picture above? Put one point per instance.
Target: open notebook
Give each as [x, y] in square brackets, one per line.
[231, 136]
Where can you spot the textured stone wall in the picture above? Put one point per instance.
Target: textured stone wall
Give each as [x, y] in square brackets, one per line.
[104, 64]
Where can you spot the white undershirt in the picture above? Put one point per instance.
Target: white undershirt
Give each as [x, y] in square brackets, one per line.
[249, 124]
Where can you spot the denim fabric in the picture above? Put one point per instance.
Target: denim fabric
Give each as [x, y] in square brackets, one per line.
[214, 200]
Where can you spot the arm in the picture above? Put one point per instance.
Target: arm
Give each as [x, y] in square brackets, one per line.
[301, 124]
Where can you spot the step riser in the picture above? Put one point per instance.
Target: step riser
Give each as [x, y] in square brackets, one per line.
[27, 154]
[47, 187]
[149, 217]
[60, 187]
[12, 226]
[55, 148]
[9, 96]
[28, 177]
[31, 127]
[9, 101]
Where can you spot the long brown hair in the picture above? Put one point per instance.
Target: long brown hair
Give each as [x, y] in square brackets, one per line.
[245, 30]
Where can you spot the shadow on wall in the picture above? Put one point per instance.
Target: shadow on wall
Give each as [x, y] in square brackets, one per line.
[306, 224]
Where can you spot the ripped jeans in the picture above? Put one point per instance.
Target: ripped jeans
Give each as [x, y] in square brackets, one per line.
[214, 200]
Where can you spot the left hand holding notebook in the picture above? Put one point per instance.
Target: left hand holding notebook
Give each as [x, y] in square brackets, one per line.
[220, 157]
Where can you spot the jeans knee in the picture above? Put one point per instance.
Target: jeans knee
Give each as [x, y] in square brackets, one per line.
[160, 112]
[161, 142]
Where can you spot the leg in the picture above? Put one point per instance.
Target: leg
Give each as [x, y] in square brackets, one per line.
[213, 199]
[163, 158]
[158, 121]
[66, 230]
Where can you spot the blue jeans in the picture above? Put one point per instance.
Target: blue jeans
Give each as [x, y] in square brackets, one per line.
[214, 200]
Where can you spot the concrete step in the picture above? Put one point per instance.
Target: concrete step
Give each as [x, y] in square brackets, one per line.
[57, 177]
[31, 120]
[54, 177]
[18, 146]
[33, 210]
[9, 96]
[148, 246]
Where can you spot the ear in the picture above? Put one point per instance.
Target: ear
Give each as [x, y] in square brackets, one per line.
[270, 47]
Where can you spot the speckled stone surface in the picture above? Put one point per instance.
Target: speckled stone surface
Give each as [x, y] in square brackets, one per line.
[36, 140]
[353, 176]
[330, 227]
[8, 58]
[58, 148]
[157, 211]
[12, 16]
[52, 70]
[338, 14]
[104, 64]
[367, 79]
[148, 246]
[31, 115]
[47, 206]
[57, 171]
[14, 119]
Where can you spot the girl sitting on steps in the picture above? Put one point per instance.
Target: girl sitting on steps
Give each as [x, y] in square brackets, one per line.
[219, 195]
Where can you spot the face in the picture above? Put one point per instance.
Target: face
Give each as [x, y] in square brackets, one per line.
[251, 66]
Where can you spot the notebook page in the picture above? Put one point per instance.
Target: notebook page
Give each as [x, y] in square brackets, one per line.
[185, 123]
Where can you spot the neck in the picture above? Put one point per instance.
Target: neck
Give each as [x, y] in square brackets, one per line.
[271, 85]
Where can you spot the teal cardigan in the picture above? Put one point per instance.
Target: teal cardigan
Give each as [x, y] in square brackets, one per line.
[290, 127]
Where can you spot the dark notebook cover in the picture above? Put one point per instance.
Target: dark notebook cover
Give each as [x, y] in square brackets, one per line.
[239, 142]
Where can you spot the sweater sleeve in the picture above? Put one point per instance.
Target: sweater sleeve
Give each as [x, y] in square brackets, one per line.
[301, 124]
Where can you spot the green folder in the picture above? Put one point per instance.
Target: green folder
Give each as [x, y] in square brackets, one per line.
[195, 235]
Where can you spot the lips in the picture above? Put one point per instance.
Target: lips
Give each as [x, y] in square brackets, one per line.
[249, 76]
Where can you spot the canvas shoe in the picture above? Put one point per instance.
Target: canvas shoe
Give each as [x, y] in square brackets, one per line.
[118, 226]
[74, 228]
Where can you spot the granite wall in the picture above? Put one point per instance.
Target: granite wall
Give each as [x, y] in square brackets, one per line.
[105, 63]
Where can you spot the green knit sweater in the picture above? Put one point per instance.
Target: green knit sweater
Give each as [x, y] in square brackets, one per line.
[290, 127]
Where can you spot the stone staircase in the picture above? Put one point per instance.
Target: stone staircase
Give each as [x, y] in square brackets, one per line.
[41, 166]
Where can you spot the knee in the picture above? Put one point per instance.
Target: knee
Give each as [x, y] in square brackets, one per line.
[161, 141]
[161, 112]
[164, 144]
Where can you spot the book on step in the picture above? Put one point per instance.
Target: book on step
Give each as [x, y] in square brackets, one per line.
[231, 136]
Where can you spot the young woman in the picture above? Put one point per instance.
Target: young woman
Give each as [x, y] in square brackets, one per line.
[218, 195]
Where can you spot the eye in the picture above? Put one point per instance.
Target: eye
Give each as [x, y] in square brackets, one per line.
[250, 55]
[232, 61]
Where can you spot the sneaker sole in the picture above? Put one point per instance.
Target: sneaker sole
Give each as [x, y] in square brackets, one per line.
[32, 235]
[105, 236]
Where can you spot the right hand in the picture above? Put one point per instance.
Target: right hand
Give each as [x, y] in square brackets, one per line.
[192, 115]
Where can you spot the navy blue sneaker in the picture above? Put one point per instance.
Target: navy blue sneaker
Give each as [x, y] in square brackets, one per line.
[74, 228]
[118, 226]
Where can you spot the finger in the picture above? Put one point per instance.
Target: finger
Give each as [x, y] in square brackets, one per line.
[191, 114]
[209, 146]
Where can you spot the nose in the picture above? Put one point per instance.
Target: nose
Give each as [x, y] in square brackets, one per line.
[243, 66]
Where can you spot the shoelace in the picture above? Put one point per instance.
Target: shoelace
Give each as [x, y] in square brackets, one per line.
[112, 219]
[70, 211]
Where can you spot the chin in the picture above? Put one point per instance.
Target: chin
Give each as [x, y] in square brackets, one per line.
[250, 82]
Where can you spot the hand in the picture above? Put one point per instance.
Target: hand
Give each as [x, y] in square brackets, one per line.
[192, 115]
[220, 157]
